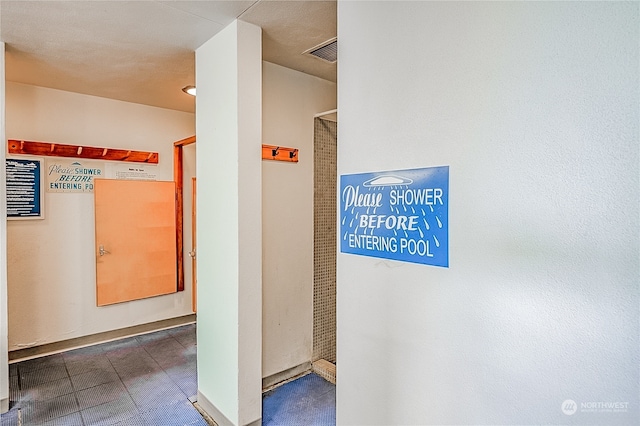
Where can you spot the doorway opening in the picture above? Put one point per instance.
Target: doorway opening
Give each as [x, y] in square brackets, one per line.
[324, 246]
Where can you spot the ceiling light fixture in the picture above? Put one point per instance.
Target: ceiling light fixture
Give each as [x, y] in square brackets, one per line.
[189, 90]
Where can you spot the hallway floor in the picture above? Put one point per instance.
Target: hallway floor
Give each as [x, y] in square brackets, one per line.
[147, 380]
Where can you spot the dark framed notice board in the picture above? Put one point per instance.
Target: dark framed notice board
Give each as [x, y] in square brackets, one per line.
[24, 188]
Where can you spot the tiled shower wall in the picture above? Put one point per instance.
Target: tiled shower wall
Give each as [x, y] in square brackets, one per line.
[324, 246]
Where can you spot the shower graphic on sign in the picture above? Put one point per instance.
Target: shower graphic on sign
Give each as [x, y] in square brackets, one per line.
[401, 215]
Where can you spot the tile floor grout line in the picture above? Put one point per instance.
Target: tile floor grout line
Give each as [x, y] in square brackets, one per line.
[123, 384]
[75, 395]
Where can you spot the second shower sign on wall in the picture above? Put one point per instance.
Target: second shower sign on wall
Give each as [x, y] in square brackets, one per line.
[401, 215]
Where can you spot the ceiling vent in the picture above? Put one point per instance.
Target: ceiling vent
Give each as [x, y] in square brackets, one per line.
[327, 51]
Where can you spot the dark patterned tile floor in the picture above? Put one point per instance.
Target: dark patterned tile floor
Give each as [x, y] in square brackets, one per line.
[307, 401]
[125, 382]
[147, 380]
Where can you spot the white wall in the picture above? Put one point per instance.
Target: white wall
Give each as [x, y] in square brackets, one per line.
[534, 106]
[4, 328]
[289, 101]
[51, 262]
[229, 208]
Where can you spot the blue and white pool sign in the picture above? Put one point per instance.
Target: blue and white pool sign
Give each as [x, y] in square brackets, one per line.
[401, 215]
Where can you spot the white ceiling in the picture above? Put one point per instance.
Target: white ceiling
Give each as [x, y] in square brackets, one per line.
[144, 51]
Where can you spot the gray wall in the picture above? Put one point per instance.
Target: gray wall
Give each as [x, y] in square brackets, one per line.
[534, 106]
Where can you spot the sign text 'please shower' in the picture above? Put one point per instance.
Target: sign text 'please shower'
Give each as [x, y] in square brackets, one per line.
[400, 215]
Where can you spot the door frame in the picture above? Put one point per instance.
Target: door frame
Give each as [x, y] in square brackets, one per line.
[193, 253]
[178, 177]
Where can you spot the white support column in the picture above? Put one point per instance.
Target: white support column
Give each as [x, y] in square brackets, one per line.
[4, 328]
[229, 212]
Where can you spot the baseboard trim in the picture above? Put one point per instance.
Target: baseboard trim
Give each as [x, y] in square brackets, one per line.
[325, 369]
[207, 418]
[212, 411]
[271, 381]
[93, 339]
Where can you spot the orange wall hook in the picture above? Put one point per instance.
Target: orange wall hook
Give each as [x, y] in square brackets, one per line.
[53, 149]
[279, 153]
